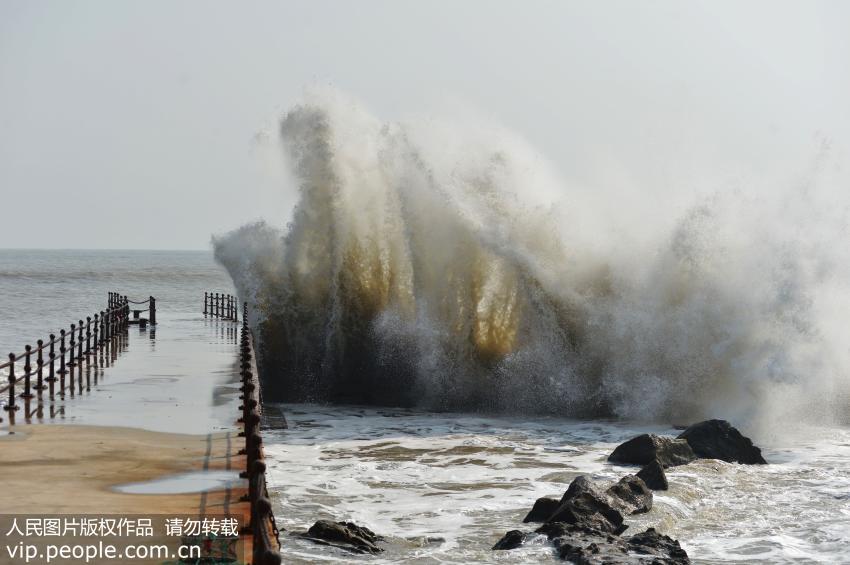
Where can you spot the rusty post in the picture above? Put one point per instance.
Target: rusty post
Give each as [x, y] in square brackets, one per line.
[126, 312]
[51, 374]
[62, 370]
[80, 344]
[96, 330]
[71, 361]
[39, 363]
[88, 336]
[152, 308]
[215, 306]
[11, 406]
[206, 299]
[51, 379]
[27, 392]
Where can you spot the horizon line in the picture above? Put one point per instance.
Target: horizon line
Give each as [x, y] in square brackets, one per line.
[100, 249]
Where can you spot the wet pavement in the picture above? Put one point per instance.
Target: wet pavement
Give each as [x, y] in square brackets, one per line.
[180, 377]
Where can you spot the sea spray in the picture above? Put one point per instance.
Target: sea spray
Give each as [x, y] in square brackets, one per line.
[435, 265]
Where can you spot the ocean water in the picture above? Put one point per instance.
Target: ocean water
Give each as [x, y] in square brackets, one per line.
[43, 291]
[442, 487]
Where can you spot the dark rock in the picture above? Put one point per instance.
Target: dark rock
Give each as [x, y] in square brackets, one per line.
[718, 439]
[653, 475]
[644, 448]
[584, 506]
[664, 547]
[580, 484]
[542, 509]
[586, 546]
[511, 540]
[630, 495]
[345, 535]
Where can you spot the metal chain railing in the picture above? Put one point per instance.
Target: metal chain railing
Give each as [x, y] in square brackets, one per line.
[220, 305]
[262, 525]
[76, 349]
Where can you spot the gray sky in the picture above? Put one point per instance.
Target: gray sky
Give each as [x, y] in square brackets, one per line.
[131, 124]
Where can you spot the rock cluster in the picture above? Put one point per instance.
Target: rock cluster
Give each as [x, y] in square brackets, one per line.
[711, 439]
[586, 524]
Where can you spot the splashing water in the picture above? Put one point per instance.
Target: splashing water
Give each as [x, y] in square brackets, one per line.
[434, 264]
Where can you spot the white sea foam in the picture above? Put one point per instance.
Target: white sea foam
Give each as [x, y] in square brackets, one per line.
[467, 479]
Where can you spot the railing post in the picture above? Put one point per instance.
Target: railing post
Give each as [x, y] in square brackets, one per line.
[11, 406]
[73, 346]
[27, 392]
[51, 374]
[152, 308]
[39, 362]
[62, 370]
[80, 344]
[88, 336]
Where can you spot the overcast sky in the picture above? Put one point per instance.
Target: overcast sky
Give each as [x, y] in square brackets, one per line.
[133, 124]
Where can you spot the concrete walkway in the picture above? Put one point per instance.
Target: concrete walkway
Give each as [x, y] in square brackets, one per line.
[153, 431]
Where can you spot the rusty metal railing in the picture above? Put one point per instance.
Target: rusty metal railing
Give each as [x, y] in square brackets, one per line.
[262, 526]
[76, 348]
[220, 305]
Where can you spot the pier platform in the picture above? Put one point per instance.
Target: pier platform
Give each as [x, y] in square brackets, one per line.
[150, 429]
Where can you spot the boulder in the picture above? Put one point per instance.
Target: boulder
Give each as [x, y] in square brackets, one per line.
[718, 439]
[630, 495]
[586, 507]
[653, 475]
[584, 546]
[580, 484]
[542, 509]
[642, 449]
[345, 535]
[510, 540]
[664, 547]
